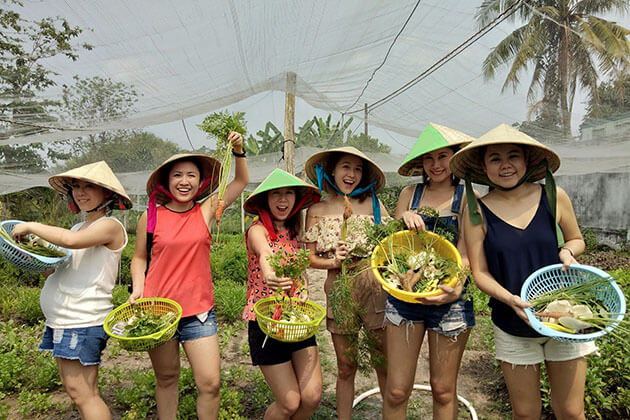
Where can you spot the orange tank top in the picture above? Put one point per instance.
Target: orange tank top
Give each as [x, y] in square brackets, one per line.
[180, 261]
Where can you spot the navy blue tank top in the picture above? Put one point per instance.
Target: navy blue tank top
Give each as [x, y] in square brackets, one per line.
[513, 254]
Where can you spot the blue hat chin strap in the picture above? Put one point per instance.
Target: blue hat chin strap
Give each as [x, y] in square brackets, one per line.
[323, 176]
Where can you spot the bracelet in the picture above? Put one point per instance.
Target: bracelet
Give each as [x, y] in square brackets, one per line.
[568, 249]
[242, 155]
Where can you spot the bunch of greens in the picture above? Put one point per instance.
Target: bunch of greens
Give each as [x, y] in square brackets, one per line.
[34, 245]
[417, 270]
[579, 308]
[292, 266]
[218, 125]
[145, 321]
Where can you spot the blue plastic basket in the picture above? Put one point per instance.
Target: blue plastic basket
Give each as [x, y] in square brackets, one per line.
[552, 277]
[24, 259]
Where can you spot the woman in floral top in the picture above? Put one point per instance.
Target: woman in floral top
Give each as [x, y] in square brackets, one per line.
[351, 180]
[292, 370]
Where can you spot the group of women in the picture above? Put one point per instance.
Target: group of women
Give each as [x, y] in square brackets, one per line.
[516, 228]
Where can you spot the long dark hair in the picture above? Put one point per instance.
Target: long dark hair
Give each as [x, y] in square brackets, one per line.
[329, 167]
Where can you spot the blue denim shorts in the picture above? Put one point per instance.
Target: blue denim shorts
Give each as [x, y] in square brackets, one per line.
[82, 344]
[450, 319]
[191, 328]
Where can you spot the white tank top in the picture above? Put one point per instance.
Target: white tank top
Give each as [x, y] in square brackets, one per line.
[79, 293]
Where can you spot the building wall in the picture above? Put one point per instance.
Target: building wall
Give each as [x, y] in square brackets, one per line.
[601, 201]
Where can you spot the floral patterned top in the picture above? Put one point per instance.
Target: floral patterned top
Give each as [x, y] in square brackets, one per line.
[327, 232]
[256, 285]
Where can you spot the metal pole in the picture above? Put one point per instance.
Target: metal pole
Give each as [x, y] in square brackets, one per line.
[365, 119]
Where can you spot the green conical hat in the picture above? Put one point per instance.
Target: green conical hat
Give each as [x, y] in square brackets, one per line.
[434, 137]
[280, 179]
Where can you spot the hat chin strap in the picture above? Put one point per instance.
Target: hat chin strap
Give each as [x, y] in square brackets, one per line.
[265, 216]
[323, 176]
[550, 191]
[152, 207]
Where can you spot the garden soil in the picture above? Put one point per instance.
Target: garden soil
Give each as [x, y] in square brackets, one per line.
[479, 381]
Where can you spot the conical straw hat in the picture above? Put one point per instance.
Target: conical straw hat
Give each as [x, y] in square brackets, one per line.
[98, 173]
[370, 170]
[279, 179]
[434, 137]
[468, 158]
[210, 168]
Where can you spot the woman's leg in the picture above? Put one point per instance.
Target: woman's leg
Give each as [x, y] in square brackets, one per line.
[203, 355]
[165, 361]
[523, 384]
[286, 391]
[381, 370]
[445, 356]
[567, 381]
[403, 347]
[81, 384]
[308, 371]
[346, 371]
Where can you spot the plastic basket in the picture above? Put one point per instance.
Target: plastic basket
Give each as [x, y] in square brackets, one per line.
[552, 277]
[410, 239]
[116, 320]
[24, 259]
[286, 331]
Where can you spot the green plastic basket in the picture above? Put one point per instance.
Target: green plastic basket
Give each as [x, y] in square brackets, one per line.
[286, 331]
[116, 320]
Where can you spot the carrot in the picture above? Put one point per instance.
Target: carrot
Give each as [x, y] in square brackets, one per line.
[220, 209]
[347, 211]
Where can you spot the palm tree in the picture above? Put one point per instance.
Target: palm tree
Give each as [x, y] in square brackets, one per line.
[566, 43]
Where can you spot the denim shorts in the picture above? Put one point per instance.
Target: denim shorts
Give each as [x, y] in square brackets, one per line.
[450, 319]
[534, 350]
[191, 328]
[82, 344]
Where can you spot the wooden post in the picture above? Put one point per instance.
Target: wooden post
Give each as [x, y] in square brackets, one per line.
[242, 213]
[365, 119]
[289, 123]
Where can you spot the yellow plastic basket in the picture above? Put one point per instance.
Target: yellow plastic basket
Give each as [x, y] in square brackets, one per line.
[408, 239]
[119, 317]
[286, 331]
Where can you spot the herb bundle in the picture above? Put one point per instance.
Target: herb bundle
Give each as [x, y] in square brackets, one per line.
[218, 125]
[34, 244]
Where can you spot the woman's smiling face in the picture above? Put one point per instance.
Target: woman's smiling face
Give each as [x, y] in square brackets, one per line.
[183, 180]
[435, 164]
[348, 172]
[281, 202]
[505, 164]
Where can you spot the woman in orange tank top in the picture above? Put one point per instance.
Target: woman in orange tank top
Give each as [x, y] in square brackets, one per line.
[172, 260]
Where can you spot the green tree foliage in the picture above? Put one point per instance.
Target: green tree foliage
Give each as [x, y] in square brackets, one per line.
[24, 48]
[366, 143]
[269, 140]
[127, 151]
[563, 60]
[319, 132]
[614, 99]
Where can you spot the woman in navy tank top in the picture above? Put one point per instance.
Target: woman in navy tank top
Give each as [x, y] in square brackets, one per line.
[517, 228]
[447, 318]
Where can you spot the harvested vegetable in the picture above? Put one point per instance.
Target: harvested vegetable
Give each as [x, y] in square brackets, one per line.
[34, 244]
[218, 126]
[144, 322]
[292, 266]
[577, 309]
[417, 271]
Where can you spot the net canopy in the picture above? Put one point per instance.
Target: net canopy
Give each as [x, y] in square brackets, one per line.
[412, 62]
